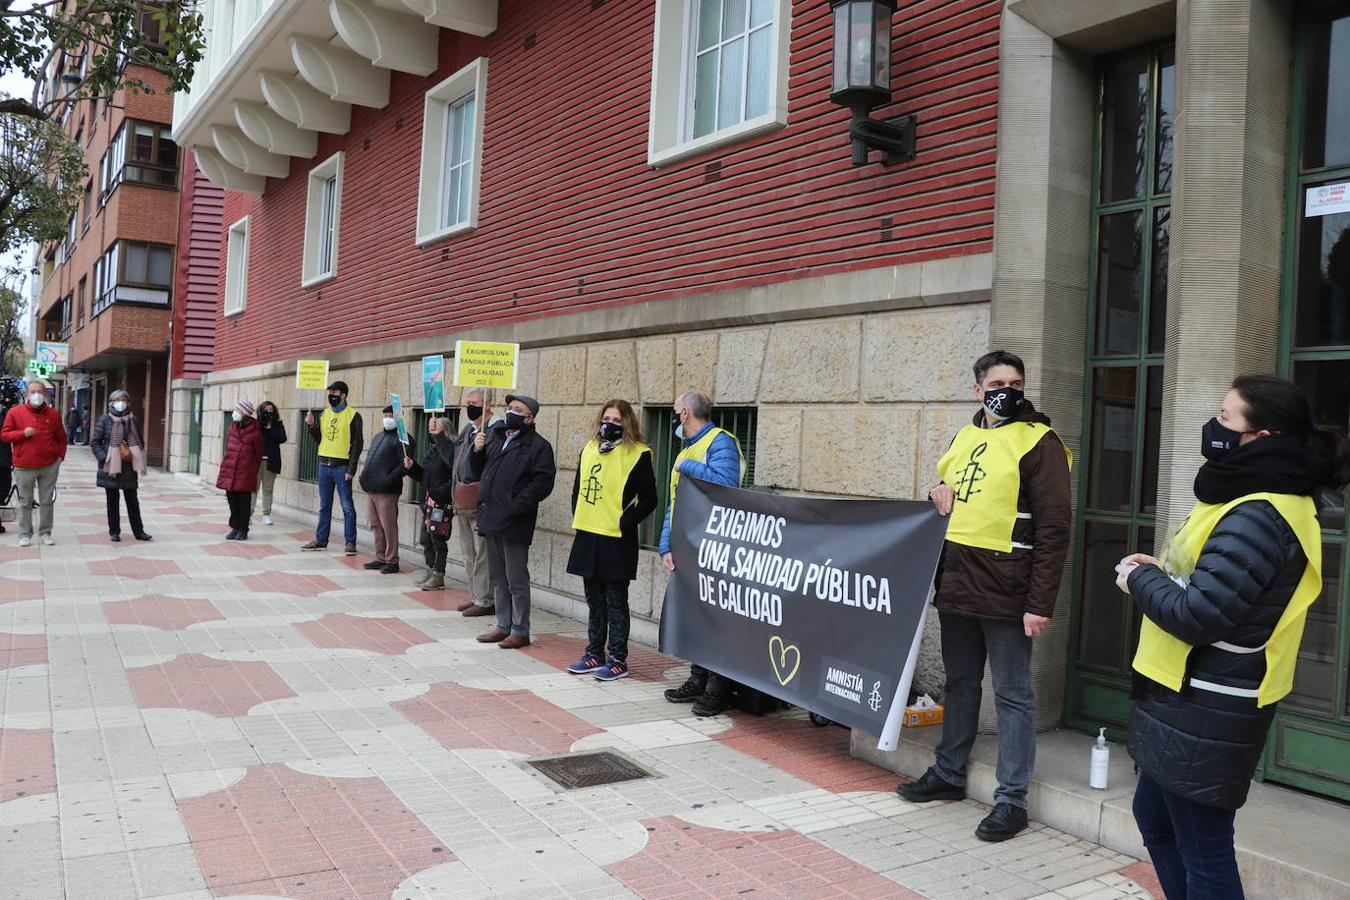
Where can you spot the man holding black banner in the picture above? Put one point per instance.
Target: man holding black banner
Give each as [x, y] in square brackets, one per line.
[711, 454]
[1005, 485]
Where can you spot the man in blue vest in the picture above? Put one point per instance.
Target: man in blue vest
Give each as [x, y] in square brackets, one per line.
[711, 454]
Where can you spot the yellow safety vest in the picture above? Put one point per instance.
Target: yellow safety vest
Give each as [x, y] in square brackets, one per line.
[335, 433]
[983, 468]
[1162, 656]
[698, 452]
[600, 495]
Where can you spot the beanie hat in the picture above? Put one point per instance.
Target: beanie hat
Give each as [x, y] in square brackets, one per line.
[244, 408]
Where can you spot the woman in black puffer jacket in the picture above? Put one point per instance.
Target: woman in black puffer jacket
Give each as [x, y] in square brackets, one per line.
[1224, 617]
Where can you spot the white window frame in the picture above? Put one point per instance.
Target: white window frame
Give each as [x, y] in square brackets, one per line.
[472, 79]
[670, 120]
[319, 220]
[236, 267]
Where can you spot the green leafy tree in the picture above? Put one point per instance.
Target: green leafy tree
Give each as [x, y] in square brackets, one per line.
[78, 49]
[12, 308]
[41, 174]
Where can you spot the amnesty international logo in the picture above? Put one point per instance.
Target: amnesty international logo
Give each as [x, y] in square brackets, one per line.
[874, 698]
[593, 488]
[971, 475]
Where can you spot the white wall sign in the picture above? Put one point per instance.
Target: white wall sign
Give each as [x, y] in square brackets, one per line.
[1326, 199]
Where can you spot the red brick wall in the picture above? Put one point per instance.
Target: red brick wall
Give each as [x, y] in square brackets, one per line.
[196, 272]
[571, 215]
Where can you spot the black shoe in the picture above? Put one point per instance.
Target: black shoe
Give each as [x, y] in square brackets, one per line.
[115, 538]
[144, 536]
[374, 564]
[711, 704]
[389, 569]
[242, 535]
[233, 535]
[930, 787]
[688, 692]
[1005, 821]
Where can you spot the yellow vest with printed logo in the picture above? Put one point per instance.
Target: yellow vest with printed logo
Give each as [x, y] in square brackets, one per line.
[698, 452]
[1162, 656]
[335, 433]
[603, 477]
[983, 468]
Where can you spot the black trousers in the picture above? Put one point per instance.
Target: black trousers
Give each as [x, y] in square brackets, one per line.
[435, 550]
[241, 508]
[609, 618]
[115, 511]
[713, 683]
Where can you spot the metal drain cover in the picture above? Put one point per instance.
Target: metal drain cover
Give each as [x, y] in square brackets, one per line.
[582, 770]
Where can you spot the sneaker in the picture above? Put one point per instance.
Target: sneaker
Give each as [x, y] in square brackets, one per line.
[434, 583]
[24, 542]
[586, 665]
[1004, 822]
[313, 545]
[711, 704]
[426, 576]
[234, 535]
[389, 568]
[930, 787]
[350, 549]
[374, 564]
[144, 536]
[688, 692]
[613, 671]
[267, 520]
[48, 540]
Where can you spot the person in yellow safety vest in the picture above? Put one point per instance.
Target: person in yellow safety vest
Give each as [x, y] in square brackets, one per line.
[613, 493]
[712, 454]
[1006, 488]
[1224, 614]
[337, 431]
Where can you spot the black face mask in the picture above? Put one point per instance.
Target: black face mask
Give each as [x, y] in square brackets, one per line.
[610, 432]
[514, 421]
[266, 416]
[1003, 403]
[473, 412]
[334, 400]
[1217, 440]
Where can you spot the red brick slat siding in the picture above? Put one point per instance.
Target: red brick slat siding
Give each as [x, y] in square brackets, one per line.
[571, 216]
[196, 271]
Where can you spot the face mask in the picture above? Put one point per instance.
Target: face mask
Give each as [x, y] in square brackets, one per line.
[1003, 403]
[611, 432]
[36, 400]
[237, 416]
[679, 426]
[265, 415]
[334, 400]
[473, 412]
[514, 420]
[389, 424]
[1217, 441]
[119, 406]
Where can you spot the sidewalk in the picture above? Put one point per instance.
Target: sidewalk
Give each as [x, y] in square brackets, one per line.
[192, 718]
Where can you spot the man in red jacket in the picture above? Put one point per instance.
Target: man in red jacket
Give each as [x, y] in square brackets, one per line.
[39, 440]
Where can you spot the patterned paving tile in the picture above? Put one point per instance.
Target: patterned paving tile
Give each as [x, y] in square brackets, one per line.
[291, 834]
[22, 650]
[215, 687]
[684, 860]
[27, 763]
[444, 600]
[817, 755]
[13, 552]
[161, 611]
[379, 635]
[1144, 875]
[12, 590]
[198, 509]
[242, 550]
[561, 650]
[134, 567]
[290, 583]
[517, 721]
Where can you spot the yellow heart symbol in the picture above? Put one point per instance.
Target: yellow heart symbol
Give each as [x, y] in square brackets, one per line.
[779, 653]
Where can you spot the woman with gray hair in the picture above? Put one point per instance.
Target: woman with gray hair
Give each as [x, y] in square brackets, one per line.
[120, 451]
[437, 474]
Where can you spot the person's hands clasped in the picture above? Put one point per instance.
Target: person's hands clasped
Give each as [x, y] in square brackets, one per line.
[1128, 565]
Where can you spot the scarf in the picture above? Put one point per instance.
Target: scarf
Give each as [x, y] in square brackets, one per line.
[1274, 464]
[124, 431]
[606, 446]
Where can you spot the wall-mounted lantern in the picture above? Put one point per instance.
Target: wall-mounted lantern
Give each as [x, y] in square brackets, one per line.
[862, 79]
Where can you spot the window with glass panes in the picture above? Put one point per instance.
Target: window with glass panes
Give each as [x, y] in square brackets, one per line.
[1310, 745]
[730, 63]
[660, 436]
[327, 224]
[457, 182]
[1123, 391]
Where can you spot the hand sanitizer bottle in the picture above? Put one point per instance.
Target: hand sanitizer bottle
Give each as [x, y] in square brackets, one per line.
[1101, 762]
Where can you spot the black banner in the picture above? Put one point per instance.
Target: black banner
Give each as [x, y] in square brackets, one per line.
[817, 602]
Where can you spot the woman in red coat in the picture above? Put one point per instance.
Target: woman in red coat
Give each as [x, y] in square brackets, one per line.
[238, 476]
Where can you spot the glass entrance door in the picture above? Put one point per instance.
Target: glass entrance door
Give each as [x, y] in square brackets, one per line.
[194, 458]
[1310, 744]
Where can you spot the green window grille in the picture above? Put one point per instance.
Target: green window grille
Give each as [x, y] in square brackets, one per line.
[417, 430]
[660, 435]
[307, 461]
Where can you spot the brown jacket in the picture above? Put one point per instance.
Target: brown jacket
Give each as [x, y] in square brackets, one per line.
[988, 584]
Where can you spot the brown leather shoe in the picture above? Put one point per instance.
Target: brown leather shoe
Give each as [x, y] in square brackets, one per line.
[313, 545]
[480, 611]
[351, 549]
[465, 606]
[492, 636]
[515, 642]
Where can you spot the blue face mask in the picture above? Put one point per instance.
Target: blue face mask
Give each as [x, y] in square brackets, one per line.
[679, 427]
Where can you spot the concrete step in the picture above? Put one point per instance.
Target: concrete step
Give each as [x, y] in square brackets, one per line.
[1290, 845]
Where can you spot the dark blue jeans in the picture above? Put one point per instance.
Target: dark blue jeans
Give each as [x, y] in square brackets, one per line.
[608, 604]
[331, 477]
[966, 643]
[1191, 844]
